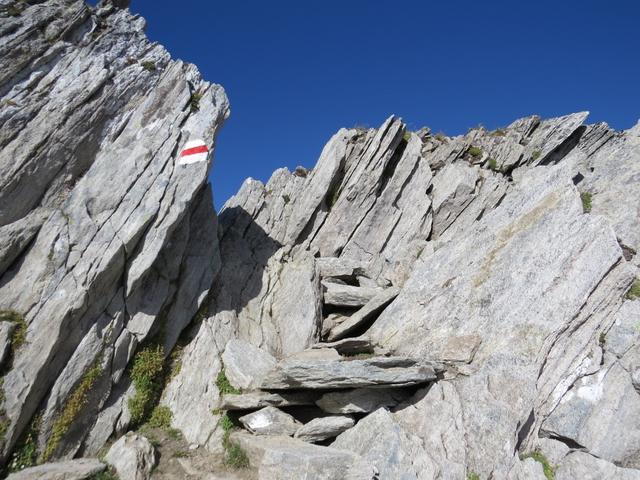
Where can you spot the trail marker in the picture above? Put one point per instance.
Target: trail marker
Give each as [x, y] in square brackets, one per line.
[194, 151]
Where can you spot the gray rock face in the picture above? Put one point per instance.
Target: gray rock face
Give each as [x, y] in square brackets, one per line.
[361, 400]
[270, 421]
[396, 371]
[106, 233]
[348, 296]
[245, 365]
[323, 428]
[78, 469]
[584, 466]
[133, 457]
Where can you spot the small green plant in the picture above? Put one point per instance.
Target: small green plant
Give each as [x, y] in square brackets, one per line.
[25, 454]
[441, 137]
[474, 151]
[536, 155]
[227, 425]
[634, 291]
[602, 339]
[107, 474]
[493, 165]
[542, 460]
[407, 136]
[146, 374]
[160, 417]
[181, 454]
[236, 457]
[194, 101]
[148, 65]
[174, 433]
[223, 384]
[4, 426]
[499, 132]
[473, 476]
[586, 198]
[19, 335]
[71, 410]
[286, 198]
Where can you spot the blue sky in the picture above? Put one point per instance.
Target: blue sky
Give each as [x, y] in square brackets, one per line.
[295, 72]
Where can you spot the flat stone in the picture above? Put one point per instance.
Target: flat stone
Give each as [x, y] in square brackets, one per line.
[78, 469]
[361, 400]
[270, 421]
[461, 348]
[372, 307]
[323, 428]
[326, 353]
[581, 465]
[349, 346]
[256, 400]
[347, 295]
[397, 371]
[342, 268]
[286, 458]
[246, 364]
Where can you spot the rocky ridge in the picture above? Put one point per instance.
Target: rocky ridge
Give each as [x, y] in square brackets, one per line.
[414, 306]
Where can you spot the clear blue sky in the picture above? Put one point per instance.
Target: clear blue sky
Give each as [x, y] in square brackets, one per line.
[295, 72]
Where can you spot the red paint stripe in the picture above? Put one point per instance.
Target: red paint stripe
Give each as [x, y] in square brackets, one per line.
[194, 150]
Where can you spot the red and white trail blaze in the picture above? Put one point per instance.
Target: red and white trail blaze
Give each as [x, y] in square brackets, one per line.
[193, 151]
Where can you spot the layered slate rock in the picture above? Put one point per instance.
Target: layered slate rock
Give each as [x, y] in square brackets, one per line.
[361, 400]
[106, 237]
[281, 458]
[79, 469]
[258, 399]
[133, 457]
[377, 371]
[245, 365]
[322, 428]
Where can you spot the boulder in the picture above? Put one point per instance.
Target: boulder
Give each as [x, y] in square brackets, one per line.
[340, 295]
[587, 467]
[377, 371]
[322, 428]
[133, 457]
[270, 421]
[349, 346]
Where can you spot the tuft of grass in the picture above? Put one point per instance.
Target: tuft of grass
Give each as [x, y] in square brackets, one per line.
[634, 291]
[407, 136]
[236, 457]
[286, 198]
[25, 454]
[107, 474]
[549, 471]
[474, 151]
[441, 137]
[493, 165]
[536, 154]
[181, 454]
[149, 65]
[77, 400]
[498, 132]
[224, 385]
[161, 417]
[194, 101]
[19, 335]
[602, 339]
[473, 476]
[146, 374]
[586, 198]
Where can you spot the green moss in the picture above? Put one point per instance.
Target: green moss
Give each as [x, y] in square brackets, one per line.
[493, 165]
[499, 132]
[602, 339]
[441, 137]
[634, 291]
[541, 459]
[474, 151]
[223, 384]
[180, 454]
[148, 65]
[536, 154]
[586, 198]
[473, 476]
[236, 457]
[25, 454]
[407, 136]
[194, 101]
[161, 417]
[146, 374]
[76, 401]
[174, 433]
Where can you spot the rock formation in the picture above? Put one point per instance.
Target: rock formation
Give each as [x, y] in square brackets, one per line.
[414, 306]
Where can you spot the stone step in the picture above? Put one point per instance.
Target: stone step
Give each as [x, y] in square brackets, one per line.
[258, 399]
